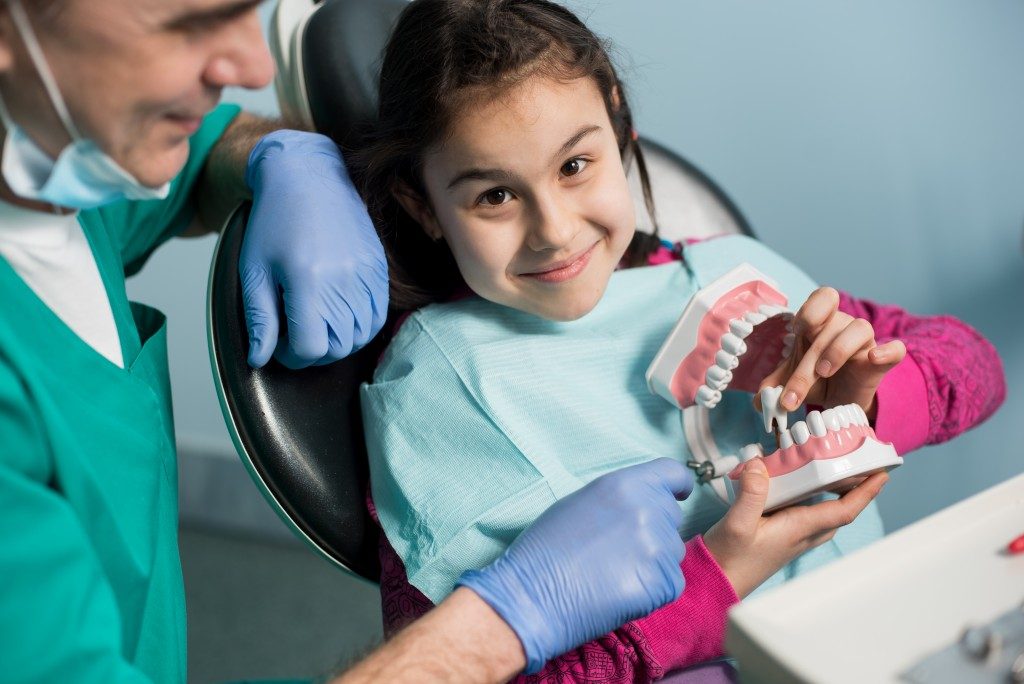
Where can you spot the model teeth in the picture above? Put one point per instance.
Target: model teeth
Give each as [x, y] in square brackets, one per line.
[816, 424]
[717, 378]
[754, 318]
[772, 410]
[785, 439]
[800, 432]
[831, 419]
[844, 416]
[708, 397]
[751, 451]
[724, 359]
[769, 310]
[733, 344]
[740, 328]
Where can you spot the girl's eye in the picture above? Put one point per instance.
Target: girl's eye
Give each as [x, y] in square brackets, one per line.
[495, 197]
[573, 166]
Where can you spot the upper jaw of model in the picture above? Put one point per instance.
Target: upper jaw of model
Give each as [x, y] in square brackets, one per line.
[733, 334]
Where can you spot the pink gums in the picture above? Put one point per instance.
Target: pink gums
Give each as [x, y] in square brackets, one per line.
[764, 344]
[832, 444]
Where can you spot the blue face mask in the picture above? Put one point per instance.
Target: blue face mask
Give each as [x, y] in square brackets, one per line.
[83, 176]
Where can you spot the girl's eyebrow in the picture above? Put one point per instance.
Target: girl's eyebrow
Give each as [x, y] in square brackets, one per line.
[503, 176]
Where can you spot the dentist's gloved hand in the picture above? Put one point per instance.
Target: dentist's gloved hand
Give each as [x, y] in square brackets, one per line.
[605, 555]
[309, 238]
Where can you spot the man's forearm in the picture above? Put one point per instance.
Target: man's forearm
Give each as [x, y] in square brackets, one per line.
[221, 186]
[462, 640]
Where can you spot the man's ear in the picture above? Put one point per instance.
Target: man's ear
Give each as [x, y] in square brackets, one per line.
[417, 207]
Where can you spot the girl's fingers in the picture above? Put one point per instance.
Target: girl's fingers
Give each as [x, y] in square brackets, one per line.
[829, 515]
[816, 311]
[888, 354]
[804, 376]
[857, 335]
[745, 513]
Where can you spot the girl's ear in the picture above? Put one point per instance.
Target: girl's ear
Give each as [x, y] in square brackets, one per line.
[418, 208]
[7, 35]
[616, 98]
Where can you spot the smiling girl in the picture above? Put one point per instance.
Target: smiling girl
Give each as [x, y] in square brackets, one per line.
[496, 176]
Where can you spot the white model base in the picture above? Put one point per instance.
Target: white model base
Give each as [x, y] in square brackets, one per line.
[824, 474]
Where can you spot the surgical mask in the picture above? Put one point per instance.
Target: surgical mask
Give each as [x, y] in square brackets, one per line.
[83, 176]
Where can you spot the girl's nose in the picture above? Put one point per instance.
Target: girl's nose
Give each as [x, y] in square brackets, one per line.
[552, 227]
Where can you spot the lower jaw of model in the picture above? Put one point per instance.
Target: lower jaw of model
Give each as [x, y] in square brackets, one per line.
[732, 335]
[831, 450]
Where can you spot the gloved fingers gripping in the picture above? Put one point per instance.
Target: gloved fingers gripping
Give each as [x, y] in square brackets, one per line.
[259, 296]
[339, 339]
[664, 472]
[307, 329]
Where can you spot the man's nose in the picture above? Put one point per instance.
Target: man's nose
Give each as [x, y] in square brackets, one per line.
[243, 58]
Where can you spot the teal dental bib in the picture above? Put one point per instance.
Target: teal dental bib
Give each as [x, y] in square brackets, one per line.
[481, 416]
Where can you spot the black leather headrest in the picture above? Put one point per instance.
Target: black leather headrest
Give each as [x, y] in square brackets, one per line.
[342, 49]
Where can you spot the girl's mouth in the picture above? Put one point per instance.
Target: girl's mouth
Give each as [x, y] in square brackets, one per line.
[564, 270]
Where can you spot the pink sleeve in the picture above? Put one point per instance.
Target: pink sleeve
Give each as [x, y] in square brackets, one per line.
[950, 381]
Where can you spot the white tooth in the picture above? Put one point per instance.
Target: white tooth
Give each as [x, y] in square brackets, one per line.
[719, 385]
[725, 360]
[740, 328]
[712, 404]
[718, 376]
[734, 345]
[725, 464]
[844, 416]
[789, 339]
[785, 439]
[751, 451]
[754, 318]
[816, 423]
[831, 419]
[800, 432]
[767, 310]
[862, 416]
[771, 410]
[706, 395]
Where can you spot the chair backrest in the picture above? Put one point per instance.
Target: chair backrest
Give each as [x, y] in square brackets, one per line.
[300, 433]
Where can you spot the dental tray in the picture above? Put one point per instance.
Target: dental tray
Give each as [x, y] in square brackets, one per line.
[732, 334]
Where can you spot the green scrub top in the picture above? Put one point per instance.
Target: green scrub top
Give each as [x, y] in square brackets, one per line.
[90, 578]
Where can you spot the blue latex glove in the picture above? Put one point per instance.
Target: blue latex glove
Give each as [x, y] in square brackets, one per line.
[309, 238]
[595, 560]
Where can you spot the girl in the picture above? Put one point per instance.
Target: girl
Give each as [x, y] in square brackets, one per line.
[496, 176]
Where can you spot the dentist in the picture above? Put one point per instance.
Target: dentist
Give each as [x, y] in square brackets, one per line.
[112, 144]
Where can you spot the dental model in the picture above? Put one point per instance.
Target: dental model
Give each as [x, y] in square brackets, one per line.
[732, 334]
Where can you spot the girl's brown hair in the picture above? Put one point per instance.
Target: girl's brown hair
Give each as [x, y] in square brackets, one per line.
[441, 56]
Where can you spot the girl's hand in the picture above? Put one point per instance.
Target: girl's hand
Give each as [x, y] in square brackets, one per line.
[750, 547]
[835, 359]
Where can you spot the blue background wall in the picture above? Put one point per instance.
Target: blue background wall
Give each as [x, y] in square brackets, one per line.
[880, 145]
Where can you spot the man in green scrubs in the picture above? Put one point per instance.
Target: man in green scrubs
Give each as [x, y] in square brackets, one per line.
[112, 145]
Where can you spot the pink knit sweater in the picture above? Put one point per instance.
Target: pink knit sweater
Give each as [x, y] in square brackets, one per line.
[950, 381]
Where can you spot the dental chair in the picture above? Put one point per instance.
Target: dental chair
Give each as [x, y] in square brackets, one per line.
[299, 433]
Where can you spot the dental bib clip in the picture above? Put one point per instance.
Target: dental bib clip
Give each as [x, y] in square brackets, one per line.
[732, 334]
